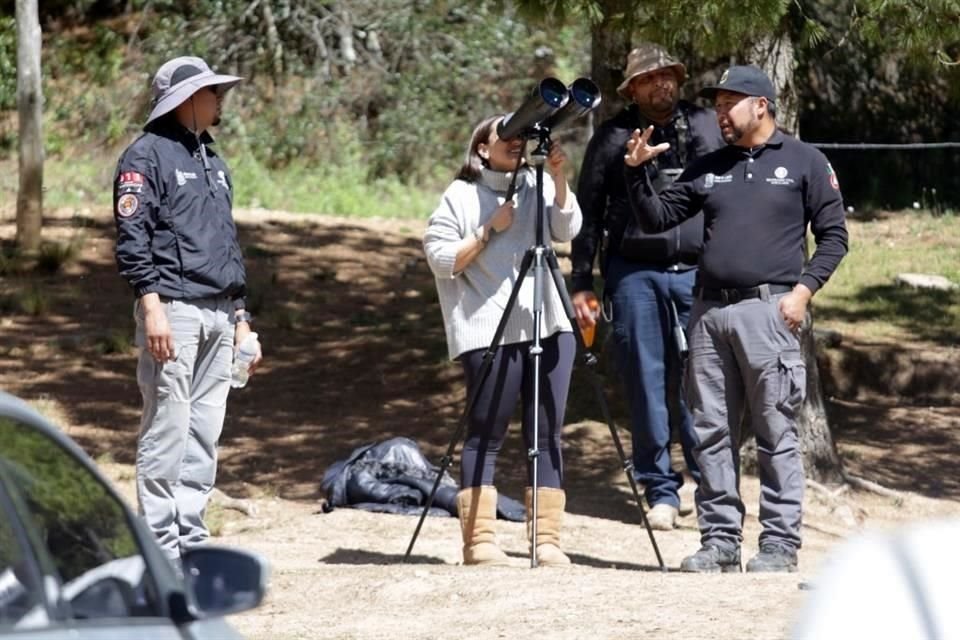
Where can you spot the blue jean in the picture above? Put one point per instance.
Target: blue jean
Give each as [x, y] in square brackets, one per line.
[652, 370]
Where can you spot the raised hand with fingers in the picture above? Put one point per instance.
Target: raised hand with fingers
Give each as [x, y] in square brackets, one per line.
[639, 150]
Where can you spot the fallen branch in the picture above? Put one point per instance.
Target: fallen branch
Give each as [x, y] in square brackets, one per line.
[850, 515]
[868, 485]
[827, 529]
[243, 506]
[832, 495]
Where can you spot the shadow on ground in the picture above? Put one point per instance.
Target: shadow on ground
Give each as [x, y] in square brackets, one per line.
[355, 354]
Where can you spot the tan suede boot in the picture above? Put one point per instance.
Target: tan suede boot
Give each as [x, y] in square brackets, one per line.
[550, 506]
[477, 507]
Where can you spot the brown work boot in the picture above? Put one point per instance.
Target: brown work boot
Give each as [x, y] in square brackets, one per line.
[477, 508]
[550, 506]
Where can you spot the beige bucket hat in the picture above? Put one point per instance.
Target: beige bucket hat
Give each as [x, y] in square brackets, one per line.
[180, 78]
[649, 57]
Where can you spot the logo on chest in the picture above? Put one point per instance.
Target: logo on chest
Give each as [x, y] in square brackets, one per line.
[711, 179]
[781, 177]
[183, 176]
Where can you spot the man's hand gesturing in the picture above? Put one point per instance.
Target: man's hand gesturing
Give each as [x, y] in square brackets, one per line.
[638, 151]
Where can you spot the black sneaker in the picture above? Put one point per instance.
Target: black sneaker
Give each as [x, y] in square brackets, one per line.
[774, 558]
[712, 559]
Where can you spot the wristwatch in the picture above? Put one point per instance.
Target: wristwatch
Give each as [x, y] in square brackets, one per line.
[243, 316]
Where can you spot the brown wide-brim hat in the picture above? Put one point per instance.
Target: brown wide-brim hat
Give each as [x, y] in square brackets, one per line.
[180, 78]
[646, 58]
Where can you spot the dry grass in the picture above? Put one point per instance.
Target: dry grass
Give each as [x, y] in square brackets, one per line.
[862, 299]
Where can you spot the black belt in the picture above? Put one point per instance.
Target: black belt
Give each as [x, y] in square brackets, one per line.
[731, 296]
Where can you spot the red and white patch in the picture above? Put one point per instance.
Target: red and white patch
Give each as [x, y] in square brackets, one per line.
[127, 205]
[130, 181]
[833, 178]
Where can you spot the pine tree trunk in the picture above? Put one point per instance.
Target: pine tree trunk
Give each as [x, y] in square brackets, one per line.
[820, 458]
[609, 46]
[776, 56]
[30, 112]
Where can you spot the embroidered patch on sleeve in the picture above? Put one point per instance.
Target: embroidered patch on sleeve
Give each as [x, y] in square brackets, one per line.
[127, 205]
[130, 182]
[833, 177]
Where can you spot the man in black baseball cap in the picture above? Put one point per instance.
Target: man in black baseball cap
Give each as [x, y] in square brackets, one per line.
[746, 79]
[760, 195]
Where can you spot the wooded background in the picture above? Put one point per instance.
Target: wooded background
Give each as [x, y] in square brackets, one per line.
[393, 87]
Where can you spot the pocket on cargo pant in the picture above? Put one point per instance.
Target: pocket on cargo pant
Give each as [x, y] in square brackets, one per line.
[793, 382]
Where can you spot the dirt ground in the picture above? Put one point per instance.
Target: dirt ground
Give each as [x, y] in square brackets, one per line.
[355, 354]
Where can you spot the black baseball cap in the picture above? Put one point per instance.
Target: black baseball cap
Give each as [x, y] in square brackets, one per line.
[746, 79]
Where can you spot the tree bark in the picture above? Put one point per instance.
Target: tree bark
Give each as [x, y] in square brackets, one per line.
[30, 113]
[348, 53]
[609, 46]
[776, 56]
[820, 458]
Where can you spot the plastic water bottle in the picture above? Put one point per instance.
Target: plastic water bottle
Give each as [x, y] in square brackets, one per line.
[241, 363]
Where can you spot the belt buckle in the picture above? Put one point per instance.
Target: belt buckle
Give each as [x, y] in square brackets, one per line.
[731, 296]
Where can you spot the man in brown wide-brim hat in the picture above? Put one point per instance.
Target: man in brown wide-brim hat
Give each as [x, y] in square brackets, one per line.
[648, 278]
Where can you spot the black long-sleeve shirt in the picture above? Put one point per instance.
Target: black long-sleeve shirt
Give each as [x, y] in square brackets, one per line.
[757, 204]
[175, 230]
[602, 192]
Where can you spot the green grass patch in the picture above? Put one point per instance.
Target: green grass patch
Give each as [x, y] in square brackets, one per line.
[85, 182]
[343, 190]
[863, 301]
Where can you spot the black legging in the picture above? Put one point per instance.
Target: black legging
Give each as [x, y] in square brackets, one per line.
[511, 375]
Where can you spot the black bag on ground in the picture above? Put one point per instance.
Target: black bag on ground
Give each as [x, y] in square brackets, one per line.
[394, 477]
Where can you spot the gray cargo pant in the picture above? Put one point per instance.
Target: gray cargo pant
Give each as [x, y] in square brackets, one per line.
[743, 354]
[184, 403]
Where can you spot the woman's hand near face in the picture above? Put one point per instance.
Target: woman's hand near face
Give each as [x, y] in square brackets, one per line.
[556, 161]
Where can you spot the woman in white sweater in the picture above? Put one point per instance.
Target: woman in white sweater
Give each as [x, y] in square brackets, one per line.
[474, 244]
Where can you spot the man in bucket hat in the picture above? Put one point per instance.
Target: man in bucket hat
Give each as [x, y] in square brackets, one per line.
[648, 277]
[177, 248]
[759, 194]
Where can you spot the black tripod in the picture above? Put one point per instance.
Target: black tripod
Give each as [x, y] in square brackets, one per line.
[539, 256]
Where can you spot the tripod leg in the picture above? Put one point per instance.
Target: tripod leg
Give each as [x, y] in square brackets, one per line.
[536, 350]
[590, 360]
[485, 366]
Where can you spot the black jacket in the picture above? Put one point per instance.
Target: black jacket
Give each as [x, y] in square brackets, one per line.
[602, 191]
[393, 476]
[175, 230]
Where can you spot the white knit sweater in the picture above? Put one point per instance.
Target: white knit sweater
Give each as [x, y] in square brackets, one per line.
[474, 300]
